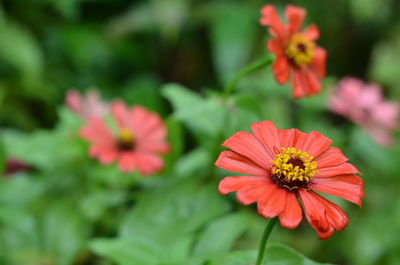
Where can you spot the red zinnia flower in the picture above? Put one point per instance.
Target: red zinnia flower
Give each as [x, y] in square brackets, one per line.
[137, 144]
[295, 50]
[286, 165]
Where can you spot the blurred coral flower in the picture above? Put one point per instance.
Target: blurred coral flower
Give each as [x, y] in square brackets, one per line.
[285, 165]
[137, 144]
[86, 106]
[364, 105]
[295, 50]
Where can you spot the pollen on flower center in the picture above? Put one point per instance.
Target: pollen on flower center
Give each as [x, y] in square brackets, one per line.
[300, 50]
[125, 140]
[293, 169]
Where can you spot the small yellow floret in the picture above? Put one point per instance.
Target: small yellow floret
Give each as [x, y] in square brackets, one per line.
[125, 136]
[300, 50]
[285, 167]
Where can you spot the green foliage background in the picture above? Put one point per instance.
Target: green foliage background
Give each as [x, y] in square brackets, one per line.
[174, 57]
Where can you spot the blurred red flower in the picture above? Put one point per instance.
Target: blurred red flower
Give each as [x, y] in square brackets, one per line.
[285, 165]
[86, 106]
[14, 165]
[137, 144]
[364, 105]
[295, 50]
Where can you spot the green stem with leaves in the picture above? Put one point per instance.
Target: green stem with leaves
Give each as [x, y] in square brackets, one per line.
[262, 62]
[264, 239]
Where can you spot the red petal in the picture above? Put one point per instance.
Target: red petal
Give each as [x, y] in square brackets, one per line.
[273, 203]
[281, 69]
[270, 18]
[325, 234]
[120, 113]
[147, 163]
[247, 145]
[311, 32]
[96, 132]
[295, 16]
[322, 214]
[147, 125]
[299, 138]
[230, 184]
[298, 83]
[127, 161]
[318, 65]
[253, 192]
[314, 214]
[342, 169]
[348, 187]
[105, 155]
[291, 216]
[313, 143]
[331, 157]
[152, 147]
[312, 84]
[276, 46]
[335, 215]
[267, 134]
[232, 161]
[286, 137]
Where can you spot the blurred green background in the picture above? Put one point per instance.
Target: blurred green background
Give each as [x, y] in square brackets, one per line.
[129, 50]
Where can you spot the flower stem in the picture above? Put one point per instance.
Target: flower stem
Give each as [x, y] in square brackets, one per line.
[230, 86]
[263, 242]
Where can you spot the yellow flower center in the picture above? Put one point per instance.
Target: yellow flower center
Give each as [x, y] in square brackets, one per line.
[293, 169]
[300, 50]
[125, 140]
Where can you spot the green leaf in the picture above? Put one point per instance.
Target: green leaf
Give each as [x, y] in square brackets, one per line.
[3, 159]
[220, 235]
[20, 49]
[161, 231]
[365, 10]
[384, 62]
[185, 207]
[68, 9]
[195, 162]
[375, 155]
[237, 258]
[125, 252]
[64, 141]
[275, 254]
[232, 38]
[78, 41]
[27, 187]
[96, 203]
[64, 230]
[144, 90]
[20, 228]
[203, 116]
[244, 111]
[279, 254]
[176, 141]
[142, 250]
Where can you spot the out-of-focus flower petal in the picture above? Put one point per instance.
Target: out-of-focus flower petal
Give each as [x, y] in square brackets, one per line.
[270, 18]
[295, 16]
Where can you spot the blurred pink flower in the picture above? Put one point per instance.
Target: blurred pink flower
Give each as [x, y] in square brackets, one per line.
[86, 106]
[364, 105]
[137, 144]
